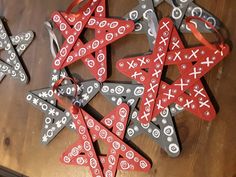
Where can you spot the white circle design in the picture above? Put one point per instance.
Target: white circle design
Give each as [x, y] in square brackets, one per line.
[173, 148]
[119, 89]
[211, 20]
[176, 13]
[156, 133]
[130, 155]
[197, 10]
[109, 36]
[133, 15]
[114, 24]
[168, 130]
[121, 30]
[100, 57]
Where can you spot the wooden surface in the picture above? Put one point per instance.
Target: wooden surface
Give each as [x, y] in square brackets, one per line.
[208, 149]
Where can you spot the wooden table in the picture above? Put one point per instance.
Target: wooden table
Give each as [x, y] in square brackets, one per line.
[208, 148]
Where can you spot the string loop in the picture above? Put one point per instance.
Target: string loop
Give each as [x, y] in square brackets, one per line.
[200, 37]
[54, 45]
[73, 109]
[76, 3]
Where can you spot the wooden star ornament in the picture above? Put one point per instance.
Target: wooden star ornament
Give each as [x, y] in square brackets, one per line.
[120, 155]
[107, 31]
[14, 47]
[147, 70]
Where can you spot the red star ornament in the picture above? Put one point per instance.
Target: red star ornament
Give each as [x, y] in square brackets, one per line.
[107, 31]
[117, 121]
[154, 99]
[197, 91]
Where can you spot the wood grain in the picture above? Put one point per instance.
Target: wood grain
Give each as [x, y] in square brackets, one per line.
[208, 149]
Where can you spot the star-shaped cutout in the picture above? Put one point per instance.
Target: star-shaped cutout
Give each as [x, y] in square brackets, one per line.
[119, 156]
[107, 30]
[158, 95]
[161, 129]
[12, 65]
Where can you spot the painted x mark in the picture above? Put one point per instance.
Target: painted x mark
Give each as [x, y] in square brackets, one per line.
[204, 59]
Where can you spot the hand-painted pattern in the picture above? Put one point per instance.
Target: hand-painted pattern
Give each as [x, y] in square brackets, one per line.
[157, 129]
[180, 10]
[117, 120]
[140, 15]
[205, 59]
[107, 31]
[55, 118]
[197, 91]
[12, 65]
[154, 63]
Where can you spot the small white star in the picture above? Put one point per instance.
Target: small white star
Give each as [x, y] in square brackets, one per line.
[44, 138]
[51, 112]
[35, 101]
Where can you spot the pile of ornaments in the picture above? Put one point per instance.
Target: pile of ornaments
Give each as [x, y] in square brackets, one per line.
[159, 101]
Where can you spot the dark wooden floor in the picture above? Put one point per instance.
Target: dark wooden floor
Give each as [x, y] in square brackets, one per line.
[208, 149]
